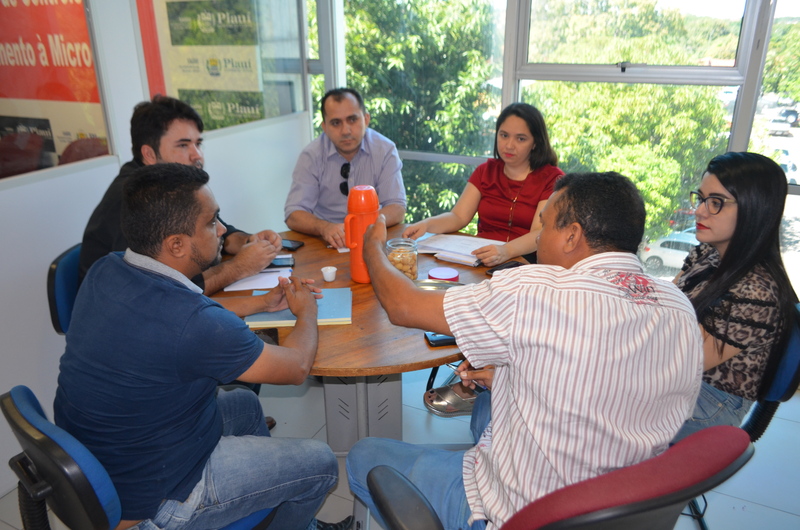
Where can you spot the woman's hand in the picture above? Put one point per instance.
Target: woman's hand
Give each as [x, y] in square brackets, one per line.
[492, 255]
[416, 230]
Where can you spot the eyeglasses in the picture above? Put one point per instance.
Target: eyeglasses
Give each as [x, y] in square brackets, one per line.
[713, 204]
[345, 173]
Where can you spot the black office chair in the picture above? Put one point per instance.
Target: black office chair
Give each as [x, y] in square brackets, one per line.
[650, 494]
[783, 387]
[56, 470]
[62, 287]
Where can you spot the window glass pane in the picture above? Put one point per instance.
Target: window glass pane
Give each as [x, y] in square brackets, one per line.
[50, 108]
[429, 70]
[313, 29]
[775, 127]
[663, 32]
[433, 188]
[790, 239]
[775, 130]
[280, 47]
[661, 136]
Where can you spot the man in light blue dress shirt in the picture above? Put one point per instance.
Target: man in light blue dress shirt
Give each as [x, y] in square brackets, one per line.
[348, 153]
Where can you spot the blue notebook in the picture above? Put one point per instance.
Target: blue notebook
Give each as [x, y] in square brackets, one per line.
[334, 308]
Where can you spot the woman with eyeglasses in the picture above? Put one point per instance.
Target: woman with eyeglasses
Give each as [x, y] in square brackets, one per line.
[507, 191]
[738, 285]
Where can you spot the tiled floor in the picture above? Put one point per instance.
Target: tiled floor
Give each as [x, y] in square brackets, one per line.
[764, 494]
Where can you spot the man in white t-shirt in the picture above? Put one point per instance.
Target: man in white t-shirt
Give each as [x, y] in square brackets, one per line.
[597, 365]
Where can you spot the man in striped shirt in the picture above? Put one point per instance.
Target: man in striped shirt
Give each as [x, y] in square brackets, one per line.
[597, 365]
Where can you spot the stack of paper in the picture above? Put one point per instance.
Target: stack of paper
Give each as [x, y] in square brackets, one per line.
[334, 308]
[266, 279]
[453, 248]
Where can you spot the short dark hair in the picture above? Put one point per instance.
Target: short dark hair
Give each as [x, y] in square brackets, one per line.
[160, 200]
[338, 94]
[542, 152]
[151, 119]
[608, 207]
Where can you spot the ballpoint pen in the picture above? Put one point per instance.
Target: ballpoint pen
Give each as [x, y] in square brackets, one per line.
[455, 369]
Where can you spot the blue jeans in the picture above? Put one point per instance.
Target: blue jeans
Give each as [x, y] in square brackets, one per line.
[249, 471]
[436, 472]
[714, 407]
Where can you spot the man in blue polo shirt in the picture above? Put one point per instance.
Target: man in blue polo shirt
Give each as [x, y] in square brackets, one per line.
[145, 353]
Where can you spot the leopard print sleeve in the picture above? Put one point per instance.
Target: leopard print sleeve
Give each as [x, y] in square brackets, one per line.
[747, 318]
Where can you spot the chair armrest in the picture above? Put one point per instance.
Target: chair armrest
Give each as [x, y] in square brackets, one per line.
[401, 505]
[37, 488]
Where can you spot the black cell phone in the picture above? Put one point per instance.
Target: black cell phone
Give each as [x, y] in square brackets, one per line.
[438, 339]
[282, 262]
[506, 265]
[291, 244]
[268, 335]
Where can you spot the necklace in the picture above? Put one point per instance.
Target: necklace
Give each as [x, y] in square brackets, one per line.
[514, 204]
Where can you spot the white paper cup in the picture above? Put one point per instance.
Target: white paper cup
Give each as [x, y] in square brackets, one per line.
[329, 273]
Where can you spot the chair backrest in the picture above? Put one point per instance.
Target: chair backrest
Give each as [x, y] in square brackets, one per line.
[399, 501]
[62, 287]
[57, 467]
[650, 494]
[784, 385]
[787, 377]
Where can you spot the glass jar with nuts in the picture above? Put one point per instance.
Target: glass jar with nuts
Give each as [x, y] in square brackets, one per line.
[402, 253]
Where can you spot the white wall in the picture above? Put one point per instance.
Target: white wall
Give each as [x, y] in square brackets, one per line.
[43, 213]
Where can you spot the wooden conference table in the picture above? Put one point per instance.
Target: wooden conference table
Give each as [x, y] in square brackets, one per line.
[361, 362]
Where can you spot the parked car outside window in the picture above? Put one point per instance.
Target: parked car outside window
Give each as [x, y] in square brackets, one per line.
[667, 252]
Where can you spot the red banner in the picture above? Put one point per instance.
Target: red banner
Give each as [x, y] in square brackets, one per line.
[45, 53]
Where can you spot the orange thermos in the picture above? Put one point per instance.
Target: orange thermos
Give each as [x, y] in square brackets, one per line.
[362, 211]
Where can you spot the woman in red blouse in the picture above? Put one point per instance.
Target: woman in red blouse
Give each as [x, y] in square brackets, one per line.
[507, 191]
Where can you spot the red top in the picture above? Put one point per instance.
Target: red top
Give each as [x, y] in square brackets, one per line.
[497, 198]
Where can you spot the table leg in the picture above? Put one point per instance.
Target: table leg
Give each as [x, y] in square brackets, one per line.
[356, 407]
[362, 407]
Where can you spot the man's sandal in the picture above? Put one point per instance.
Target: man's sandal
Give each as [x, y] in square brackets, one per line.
[447, 403]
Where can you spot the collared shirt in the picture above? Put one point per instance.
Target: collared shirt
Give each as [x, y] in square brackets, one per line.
[598, 366]
[317, 176]
[147, 263]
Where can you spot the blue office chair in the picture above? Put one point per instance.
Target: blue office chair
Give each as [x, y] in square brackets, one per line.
[650, 494]
[57, 470]
[62, 287]
[781, 389]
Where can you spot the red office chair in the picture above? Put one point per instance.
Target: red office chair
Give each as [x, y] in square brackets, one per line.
[648, 495]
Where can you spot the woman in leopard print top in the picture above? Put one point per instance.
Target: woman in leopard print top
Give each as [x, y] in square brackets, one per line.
[738, 285]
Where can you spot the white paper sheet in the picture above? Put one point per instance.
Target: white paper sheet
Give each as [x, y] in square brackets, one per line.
[266, 279]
